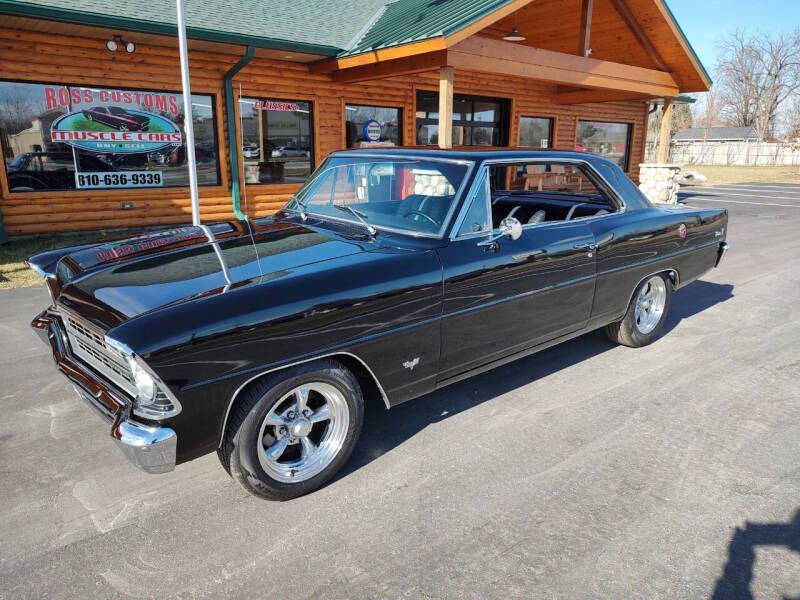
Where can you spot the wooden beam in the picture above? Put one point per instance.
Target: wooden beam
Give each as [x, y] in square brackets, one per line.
[585, 33]
[376, 56]
[446, 107]
[391, 68]
[663, 137]
[624, 11]
[589, 96]
[493, 56]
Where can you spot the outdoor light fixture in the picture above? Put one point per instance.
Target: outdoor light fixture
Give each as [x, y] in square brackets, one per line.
[514, 35]
[117, 42]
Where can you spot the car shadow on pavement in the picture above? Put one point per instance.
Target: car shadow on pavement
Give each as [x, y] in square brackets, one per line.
[695, 298]
[738, 572]
[384, 430]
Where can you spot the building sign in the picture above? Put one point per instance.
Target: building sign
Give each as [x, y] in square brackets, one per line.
[64, 137]
[372, 130]
[276, 105]
[124, 179]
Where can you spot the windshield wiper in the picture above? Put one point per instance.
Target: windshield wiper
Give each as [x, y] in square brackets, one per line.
[358, 215]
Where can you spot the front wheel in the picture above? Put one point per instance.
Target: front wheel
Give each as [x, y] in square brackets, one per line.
[646, 314]
[292, 432]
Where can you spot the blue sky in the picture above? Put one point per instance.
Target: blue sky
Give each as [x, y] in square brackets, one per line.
[704, 21]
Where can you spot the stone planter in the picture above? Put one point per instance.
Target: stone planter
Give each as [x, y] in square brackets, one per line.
[659, 182]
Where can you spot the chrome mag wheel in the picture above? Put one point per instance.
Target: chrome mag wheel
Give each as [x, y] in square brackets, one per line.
[303, 432]
[650, 304]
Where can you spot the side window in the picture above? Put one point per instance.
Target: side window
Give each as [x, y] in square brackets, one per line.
[540, 191]
[477, 218]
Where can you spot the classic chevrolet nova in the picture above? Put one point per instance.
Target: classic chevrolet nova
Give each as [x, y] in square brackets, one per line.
[390, 274]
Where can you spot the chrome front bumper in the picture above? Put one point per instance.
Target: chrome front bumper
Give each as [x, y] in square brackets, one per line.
[723, 248]
[151, 448]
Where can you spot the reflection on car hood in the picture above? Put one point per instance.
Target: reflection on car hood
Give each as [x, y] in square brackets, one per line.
[111, 283]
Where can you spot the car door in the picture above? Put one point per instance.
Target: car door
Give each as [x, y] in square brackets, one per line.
[509, 295]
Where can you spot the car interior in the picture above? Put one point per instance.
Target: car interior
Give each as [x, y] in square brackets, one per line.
[544, 191]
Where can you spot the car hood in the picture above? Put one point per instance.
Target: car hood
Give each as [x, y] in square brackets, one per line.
[111, 283]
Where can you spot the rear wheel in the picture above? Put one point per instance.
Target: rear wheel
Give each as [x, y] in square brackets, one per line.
[646, 314]
[292, 432]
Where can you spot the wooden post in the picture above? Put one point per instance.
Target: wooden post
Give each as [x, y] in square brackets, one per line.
[585, 33]
[446, 107]
[663, 138]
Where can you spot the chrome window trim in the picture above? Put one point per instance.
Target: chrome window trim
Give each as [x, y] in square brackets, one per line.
[470, 164]
[294, 364]
[499, 161]
[483, 179]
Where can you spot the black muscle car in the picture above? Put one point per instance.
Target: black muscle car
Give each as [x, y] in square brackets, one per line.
[117, 117]
[390, 274]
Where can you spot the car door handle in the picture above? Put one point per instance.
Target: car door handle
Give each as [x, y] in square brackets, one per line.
[586, 246]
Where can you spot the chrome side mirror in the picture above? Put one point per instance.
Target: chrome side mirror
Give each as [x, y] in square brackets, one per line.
[509, 227]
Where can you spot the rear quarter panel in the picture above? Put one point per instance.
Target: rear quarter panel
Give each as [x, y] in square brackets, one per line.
[636, 244]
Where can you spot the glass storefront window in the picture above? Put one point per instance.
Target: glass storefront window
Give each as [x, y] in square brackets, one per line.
[476, 121]
[611, 140]
[389, 120]
[56, 137]
[535, 132]
[277, 140]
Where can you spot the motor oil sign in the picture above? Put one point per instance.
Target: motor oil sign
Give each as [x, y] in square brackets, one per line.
[114, 121]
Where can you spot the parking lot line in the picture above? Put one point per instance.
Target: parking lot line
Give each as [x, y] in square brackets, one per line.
[721, 199]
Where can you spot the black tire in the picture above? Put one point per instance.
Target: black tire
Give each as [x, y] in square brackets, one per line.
[626, 332]
[238, 452]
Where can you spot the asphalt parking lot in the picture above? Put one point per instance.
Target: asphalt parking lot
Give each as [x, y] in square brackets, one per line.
[586, 471]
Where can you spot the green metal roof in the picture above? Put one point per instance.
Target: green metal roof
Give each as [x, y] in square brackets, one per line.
[323, 28]
[407, 21]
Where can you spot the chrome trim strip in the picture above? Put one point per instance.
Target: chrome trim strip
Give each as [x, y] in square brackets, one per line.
[294, 364]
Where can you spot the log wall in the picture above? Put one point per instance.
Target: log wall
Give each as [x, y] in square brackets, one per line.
[39, 57]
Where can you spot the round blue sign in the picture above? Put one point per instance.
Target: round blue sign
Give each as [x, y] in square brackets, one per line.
[372, 130]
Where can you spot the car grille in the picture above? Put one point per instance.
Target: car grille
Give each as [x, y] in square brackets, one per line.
[88, 344]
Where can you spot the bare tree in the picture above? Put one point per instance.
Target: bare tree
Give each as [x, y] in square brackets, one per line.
[756, 75]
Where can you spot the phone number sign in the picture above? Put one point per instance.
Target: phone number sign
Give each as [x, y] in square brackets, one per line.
[123, 179]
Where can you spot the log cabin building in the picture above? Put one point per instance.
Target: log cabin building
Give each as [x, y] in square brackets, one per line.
[91, 123]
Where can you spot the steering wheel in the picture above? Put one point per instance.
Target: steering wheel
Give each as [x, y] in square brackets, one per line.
[421, 214]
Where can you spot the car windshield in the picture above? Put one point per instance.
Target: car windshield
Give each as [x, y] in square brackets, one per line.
[410, 195]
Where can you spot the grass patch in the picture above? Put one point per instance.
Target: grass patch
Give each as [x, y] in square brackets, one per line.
[14, 273]
[718, 175]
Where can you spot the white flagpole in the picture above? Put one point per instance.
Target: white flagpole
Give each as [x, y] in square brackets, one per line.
[188, 122]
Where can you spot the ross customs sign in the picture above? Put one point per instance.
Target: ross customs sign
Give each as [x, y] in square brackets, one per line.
[114, 121]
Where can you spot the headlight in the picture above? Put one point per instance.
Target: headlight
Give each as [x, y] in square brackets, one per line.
[152, 401]
[144, 382]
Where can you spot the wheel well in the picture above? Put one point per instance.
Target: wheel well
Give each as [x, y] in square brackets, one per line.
[370, 387]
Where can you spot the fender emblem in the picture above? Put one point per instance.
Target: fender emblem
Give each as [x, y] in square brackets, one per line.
[682, 230]
[410, 364]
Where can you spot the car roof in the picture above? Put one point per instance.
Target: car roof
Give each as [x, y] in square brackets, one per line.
[477, 154]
